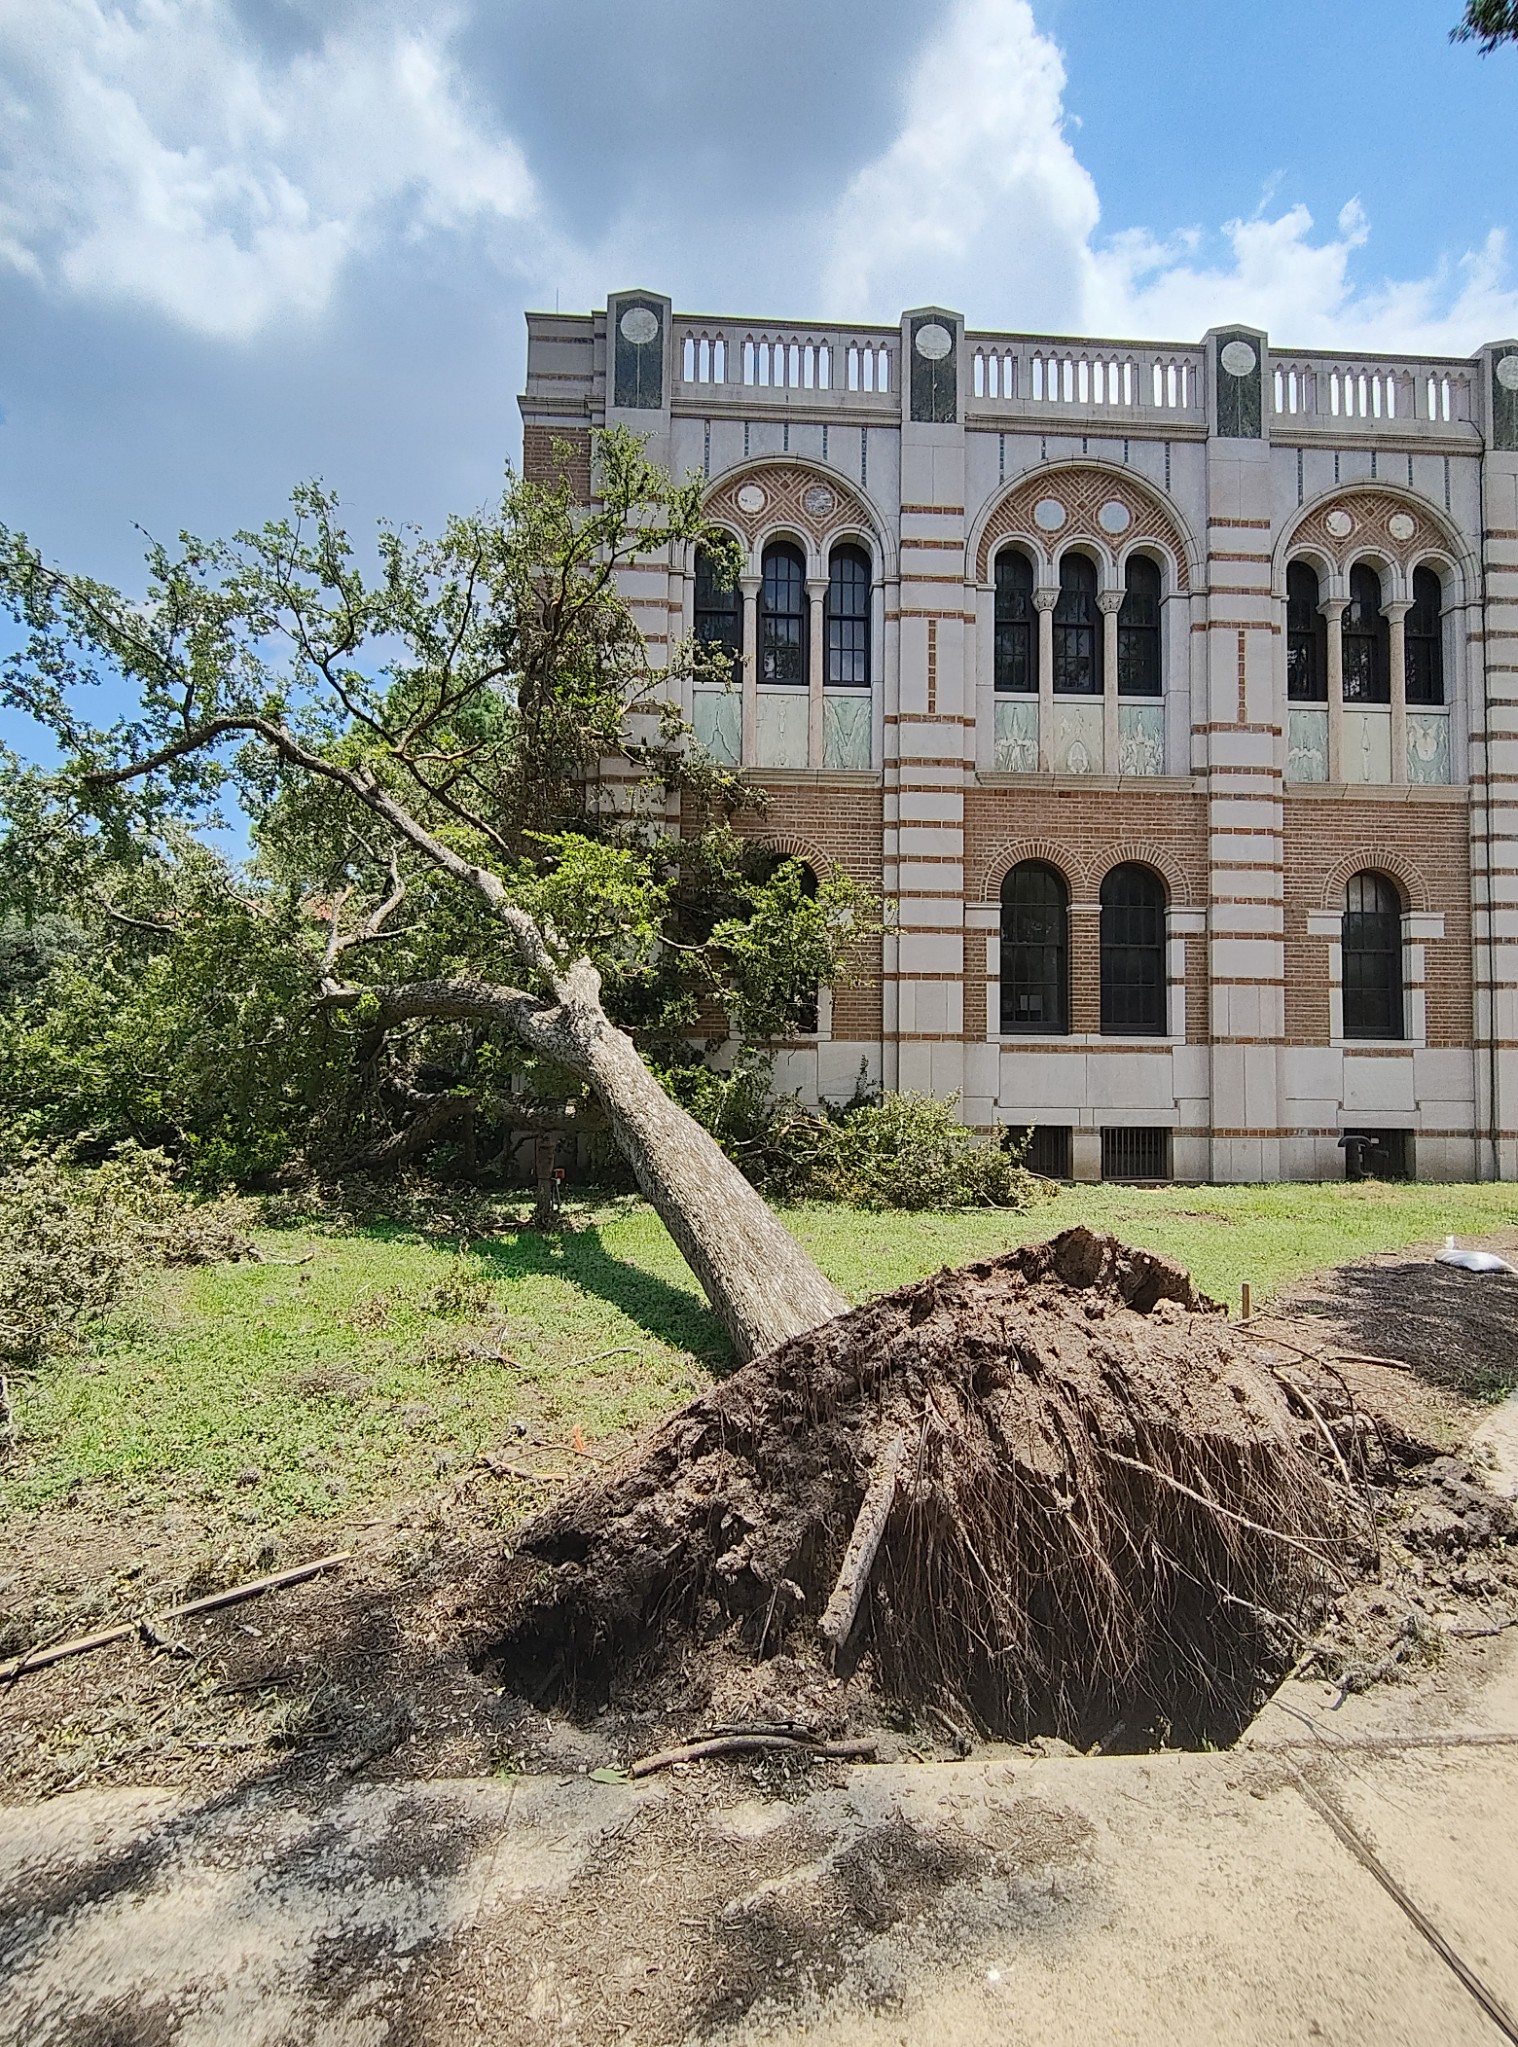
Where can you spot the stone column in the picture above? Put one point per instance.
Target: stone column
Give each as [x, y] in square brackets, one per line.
[1110, 603]
[1396, 618]
[1333, 609]
[1044, 601]
[749, 585]
[816, 667]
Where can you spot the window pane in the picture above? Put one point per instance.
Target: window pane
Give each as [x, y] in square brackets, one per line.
[1077, 633]
[1372, 958]
[1133, 953]
[1016, 640]
[1424, 640]
[1035, 950]
[783, 618]
[1365, 675]
[848, 619]
[1306, 665]
[719, 614]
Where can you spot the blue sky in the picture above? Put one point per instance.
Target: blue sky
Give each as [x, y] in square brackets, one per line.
[245, 241]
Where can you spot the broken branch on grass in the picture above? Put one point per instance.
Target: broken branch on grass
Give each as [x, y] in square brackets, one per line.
[81, 1645]
[842, 1610]
[751, 1744]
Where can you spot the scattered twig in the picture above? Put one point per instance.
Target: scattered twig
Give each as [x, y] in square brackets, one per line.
[1355, 1357]
[842, 1610]
[751, 1744]
[621, 1350]
[81, 1645]
[499, 1468]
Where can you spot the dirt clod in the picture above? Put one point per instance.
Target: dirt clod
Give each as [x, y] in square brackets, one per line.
[1105, 1526]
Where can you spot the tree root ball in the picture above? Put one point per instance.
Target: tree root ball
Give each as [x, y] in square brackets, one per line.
[1101, 1524]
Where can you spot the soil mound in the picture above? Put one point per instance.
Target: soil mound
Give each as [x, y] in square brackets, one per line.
[1094, 1519]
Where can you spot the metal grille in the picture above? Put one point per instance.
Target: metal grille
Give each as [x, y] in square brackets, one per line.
[1138, 632]
[1306, 658]
[1378, 1154]
[1371, 951]
[1015, 663]
[1035, 950]
[1133, 953]
[782, 618]
[1135, 1154]
[1049, 1150]
[848, 618]
[1077, 638]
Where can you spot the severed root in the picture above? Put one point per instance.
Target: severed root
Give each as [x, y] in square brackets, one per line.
[842, 1610]
[751, 1744]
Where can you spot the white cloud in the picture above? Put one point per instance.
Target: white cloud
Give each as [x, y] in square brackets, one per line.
[154, 155]
[981, 203]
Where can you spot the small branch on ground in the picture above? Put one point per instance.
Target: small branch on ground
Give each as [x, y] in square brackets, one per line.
[752, 1744]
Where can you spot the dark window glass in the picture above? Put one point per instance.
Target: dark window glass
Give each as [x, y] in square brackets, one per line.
[719, 611]
[1077, 630]
[1425, 640]
[1035, 950]
[1365, 666]
[783, 618]
[848, 618]
[1016, 623]
[1306, 636]
[1372, 957]
[1133, 953]
[1138, 631]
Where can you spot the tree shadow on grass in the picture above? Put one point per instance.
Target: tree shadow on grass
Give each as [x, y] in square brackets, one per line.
[675, 1315]
[1456, 1329]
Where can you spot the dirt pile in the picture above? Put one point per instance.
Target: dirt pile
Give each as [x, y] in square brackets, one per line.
[1095, 1520]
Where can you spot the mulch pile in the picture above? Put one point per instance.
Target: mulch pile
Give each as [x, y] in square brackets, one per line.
[1105, 1525]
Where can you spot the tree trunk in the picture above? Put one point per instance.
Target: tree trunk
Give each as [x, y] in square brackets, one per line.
[761, 1284]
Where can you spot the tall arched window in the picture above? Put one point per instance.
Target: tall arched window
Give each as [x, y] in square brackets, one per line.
[1035, 950]
[1371, 952]
[848, 619]
[1138, 630]
[1366, 680]
[1133, 953]
[1424, 640]
[1306, 637]
[719, 611]
[782, 617]
[1077, 630]
[1016, 622]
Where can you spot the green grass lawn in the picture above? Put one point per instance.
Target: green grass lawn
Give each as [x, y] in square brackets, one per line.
[318, 1388]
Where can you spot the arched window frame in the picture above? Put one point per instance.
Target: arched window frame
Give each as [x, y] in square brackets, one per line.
[784, 621]
[1078, 628]
[1035, 951]
[1367, 669]
[1140, 671]
[1015, 646]
[1372, 962]
[1306, 636]
[718, 613]
[850, 596]
[1423, 665]
[1134, 953]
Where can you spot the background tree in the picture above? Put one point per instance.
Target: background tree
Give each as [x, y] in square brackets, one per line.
[463, 772]
[1488, 22]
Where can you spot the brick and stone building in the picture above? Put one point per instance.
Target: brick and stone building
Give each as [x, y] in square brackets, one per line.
[1170, 694]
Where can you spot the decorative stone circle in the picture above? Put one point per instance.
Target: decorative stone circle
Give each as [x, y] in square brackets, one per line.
[1114, 516]
[1507, 372]
[639, 326]
[1401, 526]
[1238, 358]
[819, 501]
[1049, 515]
[751, 499]
[934, 341]
[1339, 524]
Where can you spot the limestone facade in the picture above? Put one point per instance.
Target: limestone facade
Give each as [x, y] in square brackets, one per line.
[1215, 646]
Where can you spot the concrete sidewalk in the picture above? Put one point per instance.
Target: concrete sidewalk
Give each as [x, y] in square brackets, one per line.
[1347, 1876]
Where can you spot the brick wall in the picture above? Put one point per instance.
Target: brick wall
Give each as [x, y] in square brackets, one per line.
[1425, 848]
[549, 453]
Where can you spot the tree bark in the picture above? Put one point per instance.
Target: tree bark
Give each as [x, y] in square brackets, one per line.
[762, 1286]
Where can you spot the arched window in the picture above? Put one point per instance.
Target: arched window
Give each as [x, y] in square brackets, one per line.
[1306, 637]
[782, 617]
[1077, 630]
[1424, 640]
[1133, 953]
[848, 619]
[1371, 948]
[1138, 630]
[1016, 622]
[1366, 680]
[719, 611]
[1035, 950]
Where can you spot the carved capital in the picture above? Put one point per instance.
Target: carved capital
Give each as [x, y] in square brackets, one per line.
[1110, 600]
[1045, 597]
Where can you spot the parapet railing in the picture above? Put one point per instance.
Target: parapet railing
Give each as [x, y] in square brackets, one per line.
[1020, 376]
[723, 358]
[1329, 390]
